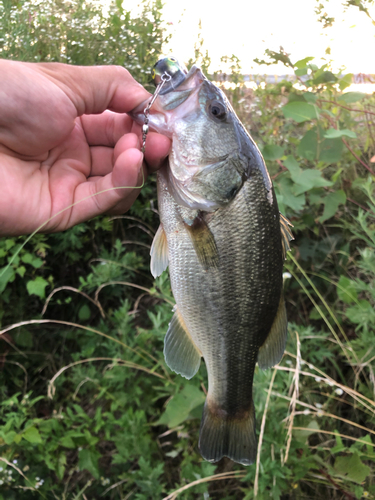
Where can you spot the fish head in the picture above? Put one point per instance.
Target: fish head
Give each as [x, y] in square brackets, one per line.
[211, 152]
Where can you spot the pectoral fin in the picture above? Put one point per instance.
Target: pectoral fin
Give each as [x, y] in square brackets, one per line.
[204, 242]
[273, 348]
[159, 253]
[181, 354]
[286, 234]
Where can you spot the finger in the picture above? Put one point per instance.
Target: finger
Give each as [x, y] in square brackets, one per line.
[124, 205]
[100, 196]
[105, 129]
[157, 149]
[93, 89]
[103, 159]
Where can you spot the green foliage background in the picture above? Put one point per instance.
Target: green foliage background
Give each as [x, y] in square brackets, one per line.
[88, 408]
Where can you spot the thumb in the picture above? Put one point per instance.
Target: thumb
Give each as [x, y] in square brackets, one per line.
[93, 89]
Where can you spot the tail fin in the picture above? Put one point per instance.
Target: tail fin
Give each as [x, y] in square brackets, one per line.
[229, 436]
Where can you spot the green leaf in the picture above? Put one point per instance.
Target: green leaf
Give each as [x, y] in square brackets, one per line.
[9, 437]
[346, 290]
[325, 77]
[293, 97]
[308, 146]
[88, 459]
[309, 97]
[302, 63]
[309, 179]
[339, 444]
[351, 468]
[37, 262]
[336, 175]
[331, 204]
[67, 442]
[358, 491]
[362, 313]
[7, 275]
[300, 111]
[9, 243]
[331, 150]
[333, 133]
[27, 258]
[292, 165]
[21, 271]
[180, 406]
[314, 146]
[350, 97]
[61, 466]
[311, 428]
[25, 339]
[301, 72]
[305, 179]
[272, 152]
[286, 196]
[37, 287]
[31, 434]
[346, 81]
[84, 313]
[17, 438]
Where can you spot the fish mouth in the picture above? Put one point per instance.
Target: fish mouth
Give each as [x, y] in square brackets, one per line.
[162, 110]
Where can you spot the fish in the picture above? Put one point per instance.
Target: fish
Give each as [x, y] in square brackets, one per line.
[225, 242]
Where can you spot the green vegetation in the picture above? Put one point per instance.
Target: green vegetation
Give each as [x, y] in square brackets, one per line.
[88, 408]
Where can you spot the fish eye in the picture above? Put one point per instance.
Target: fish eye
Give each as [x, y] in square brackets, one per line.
[217, 110]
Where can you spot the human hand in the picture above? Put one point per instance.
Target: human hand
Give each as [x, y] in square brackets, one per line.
[63, 138]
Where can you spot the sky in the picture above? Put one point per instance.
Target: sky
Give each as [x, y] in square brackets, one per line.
[246, 28]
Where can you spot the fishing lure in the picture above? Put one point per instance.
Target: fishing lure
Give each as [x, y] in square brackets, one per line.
[167, 74]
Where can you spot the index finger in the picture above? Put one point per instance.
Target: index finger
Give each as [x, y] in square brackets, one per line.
[93, 89]
[106, 129]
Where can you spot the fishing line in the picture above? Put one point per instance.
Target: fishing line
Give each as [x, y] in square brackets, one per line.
[145, 129]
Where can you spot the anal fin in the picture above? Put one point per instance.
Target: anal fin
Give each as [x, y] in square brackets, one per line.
[272, 350]
[204, 242]
[159, 253]
[181, 354]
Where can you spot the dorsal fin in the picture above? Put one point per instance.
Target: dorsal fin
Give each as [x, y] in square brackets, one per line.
[286, 234]
[159, 253]
[181, 354]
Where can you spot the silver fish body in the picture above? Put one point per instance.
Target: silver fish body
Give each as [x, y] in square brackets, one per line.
[224, 241]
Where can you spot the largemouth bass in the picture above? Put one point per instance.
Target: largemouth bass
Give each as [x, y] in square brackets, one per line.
[224, 241]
